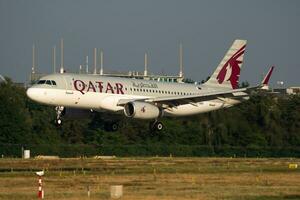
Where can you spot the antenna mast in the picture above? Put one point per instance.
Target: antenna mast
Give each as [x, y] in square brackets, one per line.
[54, 59]
[62, 56]
[180, 61]
[101, 62]
[146, 65]
[95, 60]
[33, 60]
[87, 64]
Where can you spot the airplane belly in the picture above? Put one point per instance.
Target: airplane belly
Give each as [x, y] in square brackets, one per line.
[89, 100]
[110, 101]
[189, 109]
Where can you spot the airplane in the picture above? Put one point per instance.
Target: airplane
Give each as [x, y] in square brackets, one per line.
[145, 99]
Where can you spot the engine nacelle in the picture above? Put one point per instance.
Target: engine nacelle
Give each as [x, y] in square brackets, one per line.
[141, 110]
[74, 113]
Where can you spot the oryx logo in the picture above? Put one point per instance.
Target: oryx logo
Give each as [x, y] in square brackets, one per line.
[143, 109]
[231, 69]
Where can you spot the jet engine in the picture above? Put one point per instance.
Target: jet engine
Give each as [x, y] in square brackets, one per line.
[141, 110]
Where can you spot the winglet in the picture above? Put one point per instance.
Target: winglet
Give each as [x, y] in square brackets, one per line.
[266, 79]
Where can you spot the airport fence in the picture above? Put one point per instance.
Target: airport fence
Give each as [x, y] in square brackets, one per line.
[75, 150]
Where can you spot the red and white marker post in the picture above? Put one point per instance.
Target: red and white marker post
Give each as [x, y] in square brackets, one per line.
[40, 183]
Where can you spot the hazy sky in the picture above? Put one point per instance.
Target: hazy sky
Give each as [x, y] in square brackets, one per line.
[126, 29]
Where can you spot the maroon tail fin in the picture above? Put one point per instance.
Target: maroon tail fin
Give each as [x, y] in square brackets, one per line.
[266, 79]
[227, 74]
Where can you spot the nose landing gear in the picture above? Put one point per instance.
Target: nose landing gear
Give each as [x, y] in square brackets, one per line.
[59, 113]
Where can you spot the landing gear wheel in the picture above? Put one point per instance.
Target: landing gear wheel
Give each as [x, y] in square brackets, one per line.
[111, 126]
[159, 126]
[58, 122]
[114, 126]
[156, 126]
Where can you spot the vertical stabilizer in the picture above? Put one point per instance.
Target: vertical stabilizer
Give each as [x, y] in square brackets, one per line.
[266, 79]
[228, 71]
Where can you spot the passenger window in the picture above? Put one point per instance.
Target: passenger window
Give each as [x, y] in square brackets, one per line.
[53, 82]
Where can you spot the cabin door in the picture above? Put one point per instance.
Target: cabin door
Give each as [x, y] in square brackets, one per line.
[69, 85]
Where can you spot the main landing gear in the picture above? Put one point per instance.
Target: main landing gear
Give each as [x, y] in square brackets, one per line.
[156, 126]
[59, 113]
[111, 126]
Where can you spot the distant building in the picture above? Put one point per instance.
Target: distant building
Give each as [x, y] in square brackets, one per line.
[293, 90]
[287, 91]
[280, 91]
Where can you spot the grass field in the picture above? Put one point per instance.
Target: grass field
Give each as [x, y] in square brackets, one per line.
[153, 178]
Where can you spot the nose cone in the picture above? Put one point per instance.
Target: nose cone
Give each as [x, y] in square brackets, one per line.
[33, 93]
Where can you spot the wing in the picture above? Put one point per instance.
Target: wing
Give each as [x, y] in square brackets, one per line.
[171, 101]
[193, 99]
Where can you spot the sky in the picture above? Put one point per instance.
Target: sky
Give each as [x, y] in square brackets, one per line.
[126, 29]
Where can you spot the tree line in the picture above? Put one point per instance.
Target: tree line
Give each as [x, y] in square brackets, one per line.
[266, 125]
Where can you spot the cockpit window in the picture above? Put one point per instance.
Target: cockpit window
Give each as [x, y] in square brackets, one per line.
[41, 82]
[48, 82]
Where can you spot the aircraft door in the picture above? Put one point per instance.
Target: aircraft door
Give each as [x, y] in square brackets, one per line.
[71, 97]
[68, 84]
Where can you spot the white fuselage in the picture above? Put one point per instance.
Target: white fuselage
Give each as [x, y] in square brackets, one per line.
[103, 93]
